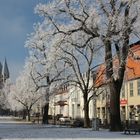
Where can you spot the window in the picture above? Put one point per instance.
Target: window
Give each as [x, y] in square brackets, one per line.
[78, 96]
[98, 112]
[123, 91]
[138, 109]
[131, 88]
[103, 112]
[123, 113]
[103, 96]
[99, 97]
[138, 86]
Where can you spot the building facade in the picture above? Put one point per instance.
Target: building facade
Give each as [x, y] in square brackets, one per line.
[59, 105]
[100, 106]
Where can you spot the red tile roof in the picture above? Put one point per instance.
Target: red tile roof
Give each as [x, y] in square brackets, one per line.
[132, 67]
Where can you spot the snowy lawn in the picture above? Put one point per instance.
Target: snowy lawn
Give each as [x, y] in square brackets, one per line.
[13, 131]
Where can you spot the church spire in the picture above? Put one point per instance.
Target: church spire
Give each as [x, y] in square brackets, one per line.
[5, 71]
[0, 69]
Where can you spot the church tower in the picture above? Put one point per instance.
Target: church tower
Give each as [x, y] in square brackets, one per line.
[1, 77]
[0, 70]
[5, 71]
[4, 74]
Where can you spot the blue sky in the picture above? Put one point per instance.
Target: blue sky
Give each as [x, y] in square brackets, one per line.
[16, 22]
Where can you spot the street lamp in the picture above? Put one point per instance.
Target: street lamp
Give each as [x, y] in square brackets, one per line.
[95, 122]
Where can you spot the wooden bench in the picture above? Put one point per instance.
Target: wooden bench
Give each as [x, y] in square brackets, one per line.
[132, 129]
[35, 119]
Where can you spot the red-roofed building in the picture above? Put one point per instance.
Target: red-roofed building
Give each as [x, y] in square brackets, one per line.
[130, 92]
[70, 102]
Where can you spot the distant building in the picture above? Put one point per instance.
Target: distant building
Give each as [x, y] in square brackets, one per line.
[59, 102]
[4, 73]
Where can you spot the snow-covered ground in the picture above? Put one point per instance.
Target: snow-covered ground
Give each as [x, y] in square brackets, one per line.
[10, 130]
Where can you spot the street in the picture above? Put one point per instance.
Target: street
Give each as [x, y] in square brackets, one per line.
[11, 130]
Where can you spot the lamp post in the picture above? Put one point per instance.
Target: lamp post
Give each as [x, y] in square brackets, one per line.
[38, 113]
[54, 119]
[95, 122]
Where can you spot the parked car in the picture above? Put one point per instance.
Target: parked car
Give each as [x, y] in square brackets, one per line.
[58, 116]
[78, 122]
[64, 119]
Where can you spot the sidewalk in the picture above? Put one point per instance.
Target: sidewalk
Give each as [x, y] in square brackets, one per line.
[14, 130]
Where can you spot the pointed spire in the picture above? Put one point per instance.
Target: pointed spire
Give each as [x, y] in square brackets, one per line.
[0, 69]
[5, 70]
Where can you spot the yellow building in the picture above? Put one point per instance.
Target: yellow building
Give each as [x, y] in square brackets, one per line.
[130, 92]
[130, 100]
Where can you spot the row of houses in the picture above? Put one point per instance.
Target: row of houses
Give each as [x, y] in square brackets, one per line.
[69, 100]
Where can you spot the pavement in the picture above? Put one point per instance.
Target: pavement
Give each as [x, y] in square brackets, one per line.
[13, 130]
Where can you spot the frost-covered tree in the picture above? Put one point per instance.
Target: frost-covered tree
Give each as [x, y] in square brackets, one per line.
[114, 22]
[58, 58]
[23, 94]
[80, 66]
[71, 44]
[120, 25]
[3, 95]
[46, 69]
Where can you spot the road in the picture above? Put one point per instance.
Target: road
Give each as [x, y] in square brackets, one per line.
[13, 130]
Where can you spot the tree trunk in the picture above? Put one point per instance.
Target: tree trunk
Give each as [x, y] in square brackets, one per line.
[45, 114]
[28, 115]
[115, 87]
[24, 114]
[86, 113]
[115, 120]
